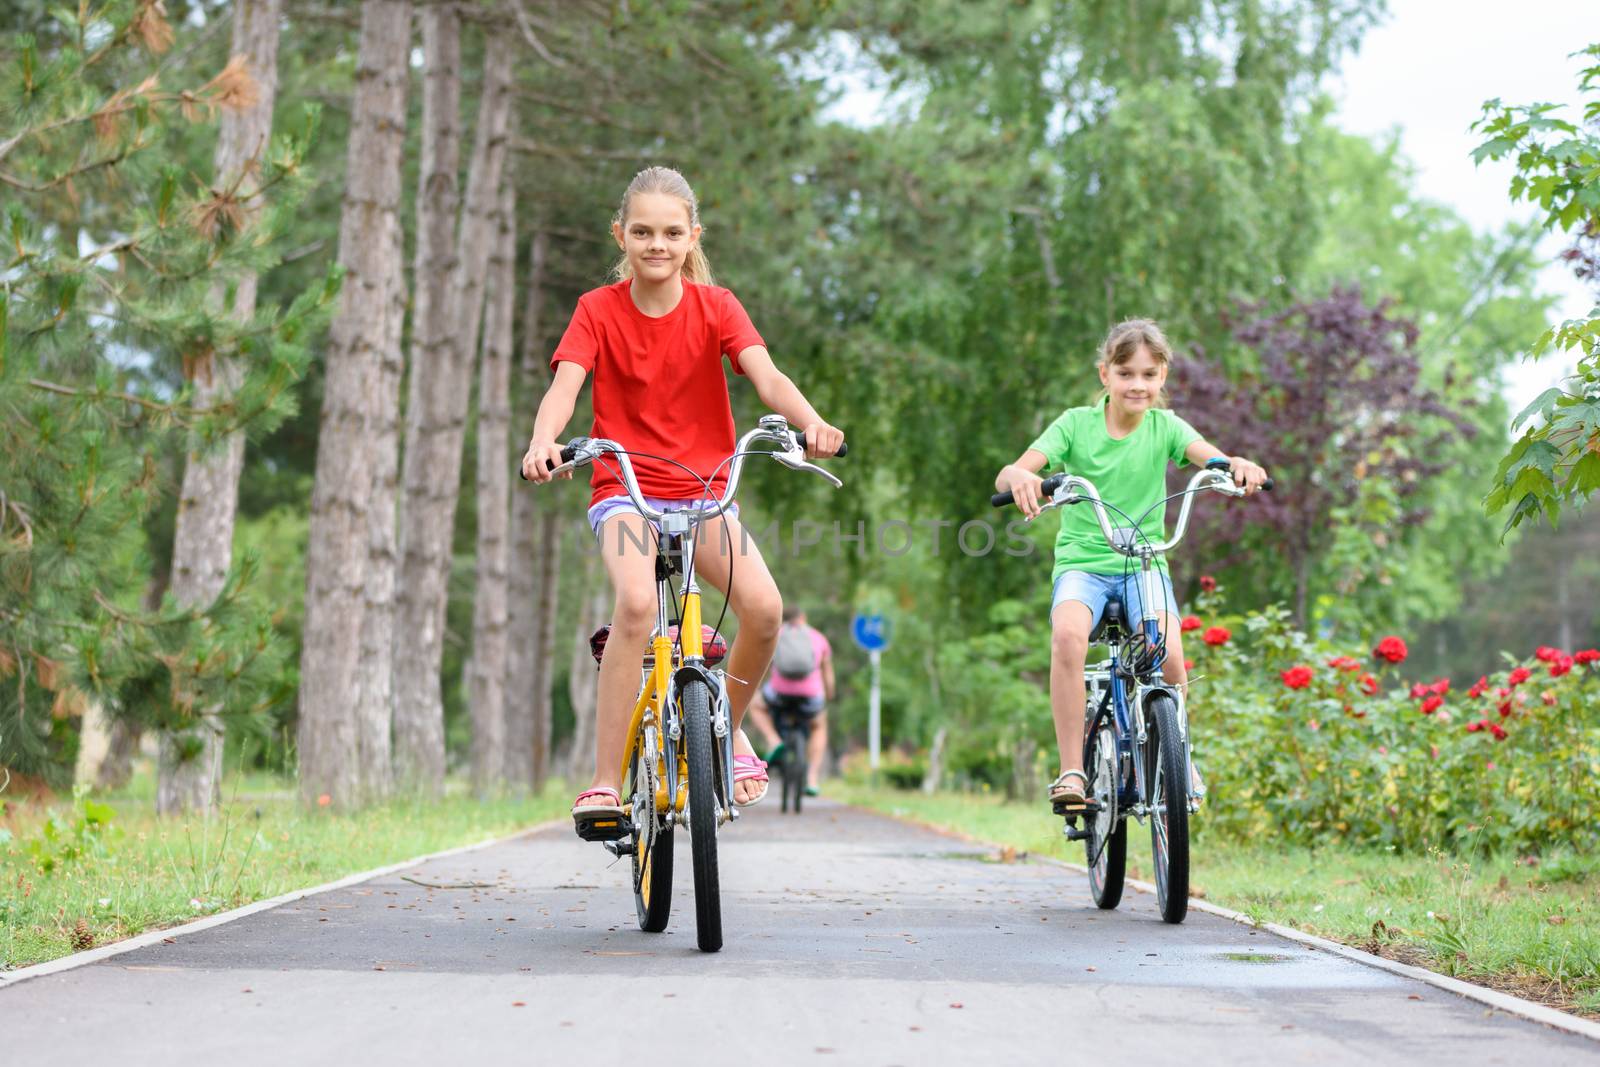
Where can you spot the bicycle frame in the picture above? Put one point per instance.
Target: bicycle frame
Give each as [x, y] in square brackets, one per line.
[657, 704]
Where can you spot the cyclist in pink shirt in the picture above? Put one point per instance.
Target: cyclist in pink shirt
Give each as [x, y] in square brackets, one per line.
[803, 682]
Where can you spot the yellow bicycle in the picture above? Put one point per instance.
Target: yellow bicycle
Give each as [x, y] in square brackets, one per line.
[677, 768]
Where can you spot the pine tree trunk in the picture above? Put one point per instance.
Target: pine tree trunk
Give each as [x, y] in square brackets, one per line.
[488, 688]
[338, 545]
[117, 768]
[435, 418]
[534, 567]
[375, 703]
[418, 711]
[583, 681]
[188, 774]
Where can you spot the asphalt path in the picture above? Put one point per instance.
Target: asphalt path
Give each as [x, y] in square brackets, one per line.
[850, 938]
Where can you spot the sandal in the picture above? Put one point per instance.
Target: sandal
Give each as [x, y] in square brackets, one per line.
[750, 769]
[599, 822]
[1071, 796]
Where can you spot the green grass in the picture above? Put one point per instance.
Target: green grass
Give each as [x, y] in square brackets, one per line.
[1529, 927]
[95, 883]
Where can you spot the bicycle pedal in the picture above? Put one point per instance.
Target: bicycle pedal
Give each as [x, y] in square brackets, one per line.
[1075, 833]
[1088, 807]
[605, 829]
[619, 848]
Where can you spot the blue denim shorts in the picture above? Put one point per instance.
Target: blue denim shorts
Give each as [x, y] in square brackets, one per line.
[613, 505]
[1092, 590]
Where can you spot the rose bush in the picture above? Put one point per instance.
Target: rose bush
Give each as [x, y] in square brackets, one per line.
[1352, 753]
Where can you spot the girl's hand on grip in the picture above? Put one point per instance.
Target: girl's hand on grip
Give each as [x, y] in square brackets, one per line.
[1248, 476]
[541, 457]
[1026, 492]
[822, 440]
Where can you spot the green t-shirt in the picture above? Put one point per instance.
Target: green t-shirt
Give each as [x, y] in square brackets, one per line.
[1129, 473]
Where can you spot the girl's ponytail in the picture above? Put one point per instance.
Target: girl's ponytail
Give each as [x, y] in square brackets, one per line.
[665, 180]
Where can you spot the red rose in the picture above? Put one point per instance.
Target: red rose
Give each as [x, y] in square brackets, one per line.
[1190, 622]
[1504, 707]
[1345, 663]
[1474, 727]
[1188, 665]
[1208, 584]
[1392, 649]
[1560, 665]
[1588, 655]
[1432, 704]
[1216, 635]
[1441, 686]
[1548, 697]
[1518, 676]
[1498, 731]
[1479, 687]
[1369, 684]
[1297, 677]
[1546, 654]
[1419, 691]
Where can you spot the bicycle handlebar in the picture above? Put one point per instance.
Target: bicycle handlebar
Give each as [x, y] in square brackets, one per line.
[581, 451]
[1070, 489]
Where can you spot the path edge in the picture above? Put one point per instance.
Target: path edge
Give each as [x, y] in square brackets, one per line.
[155, 937]
[1493, 998]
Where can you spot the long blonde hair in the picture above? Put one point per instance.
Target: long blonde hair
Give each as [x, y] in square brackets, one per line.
[1125, 339]
[668, 182]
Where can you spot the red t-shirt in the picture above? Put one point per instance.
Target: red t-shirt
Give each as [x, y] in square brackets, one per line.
[659, 386]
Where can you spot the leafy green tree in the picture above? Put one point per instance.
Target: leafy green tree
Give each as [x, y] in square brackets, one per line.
[1556, 460]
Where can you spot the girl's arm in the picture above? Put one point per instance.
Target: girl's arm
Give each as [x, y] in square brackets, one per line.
[784, 397]
[1022, 480]
[555, 410]
[1247, 475]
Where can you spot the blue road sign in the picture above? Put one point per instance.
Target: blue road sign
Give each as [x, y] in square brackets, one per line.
[871, 632]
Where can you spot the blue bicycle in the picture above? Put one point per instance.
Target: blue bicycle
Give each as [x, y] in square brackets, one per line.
[1136, 751]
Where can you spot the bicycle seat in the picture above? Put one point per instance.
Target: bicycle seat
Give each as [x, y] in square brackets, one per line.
[1114, 619]
[712, 641]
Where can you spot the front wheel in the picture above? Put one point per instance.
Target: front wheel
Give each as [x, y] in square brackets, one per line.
[1168, 775]
[1106, 847]
[695, 699]
[652, 848]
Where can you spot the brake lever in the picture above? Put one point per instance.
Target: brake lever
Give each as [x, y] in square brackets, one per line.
[795, 460]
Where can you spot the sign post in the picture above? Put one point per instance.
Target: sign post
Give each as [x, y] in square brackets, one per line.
[871, 634]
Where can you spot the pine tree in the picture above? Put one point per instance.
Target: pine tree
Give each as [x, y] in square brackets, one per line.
[105, 323]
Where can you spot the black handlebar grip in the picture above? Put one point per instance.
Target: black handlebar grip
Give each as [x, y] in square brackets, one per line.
[844, 446]
[1047, 488]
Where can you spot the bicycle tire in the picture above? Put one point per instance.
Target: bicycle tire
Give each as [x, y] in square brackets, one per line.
[793, 769]
[1106, 847]
[1169, 809]
[695, 699]
[652, 855]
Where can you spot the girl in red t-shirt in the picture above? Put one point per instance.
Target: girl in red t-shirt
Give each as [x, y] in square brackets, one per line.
[655, 342]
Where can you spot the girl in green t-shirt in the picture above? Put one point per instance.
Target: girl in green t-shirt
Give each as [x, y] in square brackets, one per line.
[1122, 444]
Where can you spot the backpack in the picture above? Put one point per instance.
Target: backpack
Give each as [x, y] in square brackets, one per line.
[796, 656]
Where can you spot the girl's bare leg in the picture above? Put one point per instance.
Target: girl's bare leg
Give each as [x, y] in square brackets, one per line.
[1070, 623]
[724, 550]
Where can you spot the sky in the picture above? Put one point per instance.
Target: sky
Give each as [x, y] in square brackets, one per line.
[1427, 69]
